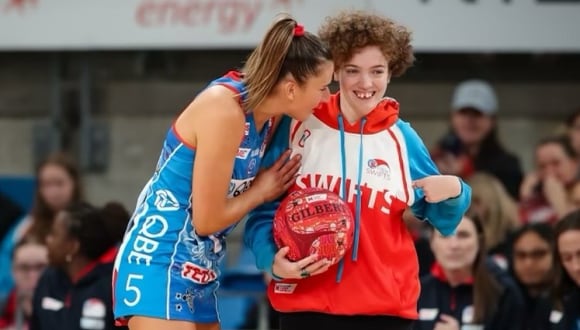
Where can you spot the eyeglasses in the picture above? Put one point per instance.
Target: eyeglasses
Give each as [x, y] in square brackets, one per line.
[27, 268]
[533, 254]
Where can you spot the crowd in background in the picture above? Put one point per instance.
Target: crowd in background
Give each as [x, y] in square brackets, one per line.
[514, 262]
[57, 259]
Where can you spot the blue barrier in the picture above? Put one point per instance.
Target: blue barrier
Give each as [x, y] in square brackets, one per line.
[20, 189]
[241, 287]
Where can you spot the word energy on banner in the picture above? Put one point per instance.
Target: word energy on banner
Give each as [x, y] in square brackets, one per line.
[437, 25]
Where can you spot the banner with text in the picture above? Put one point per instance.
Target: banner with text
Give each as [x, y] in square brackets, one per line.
[438, 25]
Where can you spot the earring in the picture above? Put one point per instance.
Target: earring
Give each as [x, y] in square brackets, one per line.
[68, 258]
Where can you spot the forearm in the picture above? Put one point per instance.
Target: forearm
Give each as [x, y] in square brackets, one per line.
[258, 236]
[234, 210]
[445, 215]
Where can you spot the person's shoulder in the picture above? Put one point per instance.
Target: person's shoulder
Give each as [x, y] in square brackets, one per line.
[428, 280]
[501, 275]
[430, 287]
[217, 102]
[50, 274]
[216, 95]
[406, 129]
[511, 291]
[50, 280]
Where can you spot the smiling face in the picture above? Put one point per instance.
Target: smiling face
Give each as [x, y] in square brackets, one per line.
[363, 81]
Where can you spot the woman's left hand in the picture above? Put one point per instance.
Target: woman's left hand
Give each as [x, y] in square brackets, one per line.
[438, 188]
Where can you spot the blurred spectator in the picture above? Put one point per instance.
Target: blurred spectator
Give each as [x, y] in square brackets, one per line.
[58, 184]
[573, 128]
[464, 290]
[498, 213]
[545, 195]
[472, 143]
[75, 290]
[566, 312]
[533, 267]
[29, 261]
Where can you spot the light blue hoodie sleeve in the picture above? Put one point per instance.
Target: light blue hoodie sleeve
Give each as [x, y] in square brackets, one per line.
[445, 215]
[258, 235]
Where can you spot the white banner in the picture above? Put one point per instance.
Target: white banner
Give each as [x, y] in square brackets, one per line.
[438, 25]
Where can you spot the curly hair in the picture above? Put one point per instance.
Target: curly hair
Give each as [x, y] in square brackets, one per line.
[349, 31]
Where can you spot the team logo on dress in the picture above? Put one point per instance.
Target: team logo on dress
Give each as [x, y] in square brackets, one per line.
[243, 153]
[239, 186]
[252, 166]
[303, 138]
[165, 200]
[197, 274]
[379, 168]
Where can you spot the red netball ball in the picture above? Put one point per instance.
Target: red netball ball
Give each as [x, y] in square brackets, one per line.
[314, 221]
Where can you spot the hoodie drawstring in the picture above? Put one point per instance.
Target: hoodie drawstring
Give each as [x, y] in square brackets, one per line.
[343, 190]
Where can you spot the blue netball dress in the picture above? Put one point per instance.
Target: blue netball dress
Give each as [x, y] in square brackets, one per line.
[163, 269]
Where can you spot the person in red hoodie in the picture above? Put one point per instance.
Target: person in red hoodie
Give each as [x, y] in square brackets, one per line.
[356, 145]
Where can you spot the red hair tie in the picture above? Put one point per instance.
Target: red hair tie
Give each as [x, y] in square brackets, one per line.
[298, 30]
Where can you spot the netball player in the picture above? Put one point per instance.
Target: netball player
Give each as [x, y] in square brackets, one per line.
[207, 179]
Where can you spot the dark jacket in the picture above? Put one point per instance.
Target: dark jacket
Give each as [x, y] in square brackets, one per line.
[547, 317]
[85, 303]
[438, 297]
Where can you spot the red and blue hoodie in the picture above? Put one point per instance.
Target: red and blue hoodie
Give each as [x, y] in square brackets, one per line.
[371, 164]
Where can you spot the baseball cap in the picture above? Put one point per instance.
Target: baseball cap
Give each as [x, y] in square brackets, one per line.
[477, 94]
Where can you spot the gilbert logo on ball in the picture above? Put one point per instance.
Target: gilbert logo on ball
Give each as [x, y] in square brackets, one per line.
[314, 221]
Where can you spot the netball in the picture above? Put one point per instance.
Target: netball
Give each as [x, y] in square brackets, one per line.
[314, 221]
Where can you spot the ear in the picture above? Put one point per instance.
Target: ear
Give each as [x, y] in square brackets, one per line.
[290, 88]
[75, 247]
[389, 77]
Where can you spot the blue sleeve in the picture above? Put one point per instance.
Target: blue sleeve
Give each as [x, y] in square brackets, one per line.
[445, 215]
[258, 235]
